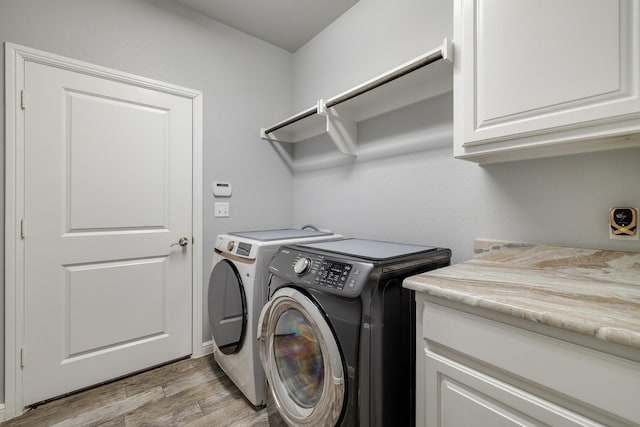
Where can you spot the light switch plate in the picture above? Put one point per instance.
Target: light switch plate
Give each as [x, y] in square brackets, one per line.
[221, 210]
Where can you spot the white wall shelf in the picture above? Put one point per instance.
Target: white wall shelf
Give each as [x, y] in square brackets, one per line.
[424, 77]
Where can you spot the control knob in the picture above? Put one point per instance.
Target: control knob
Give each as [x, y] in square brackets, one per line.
[302, 266]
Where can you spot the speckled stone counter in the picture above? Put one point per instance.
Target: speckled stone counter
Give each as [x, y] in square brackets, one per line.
[592, 292]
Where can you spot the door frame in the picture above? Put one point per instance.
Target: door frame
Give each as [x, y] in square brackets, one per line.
[15, 58]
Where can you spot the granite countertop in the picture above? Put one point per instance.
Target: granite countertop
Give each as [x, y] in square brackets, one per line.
[589, 291]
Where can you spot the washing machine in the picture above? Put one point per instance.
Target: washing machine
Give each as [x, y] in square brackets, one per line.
[236, 293]
[337, 335]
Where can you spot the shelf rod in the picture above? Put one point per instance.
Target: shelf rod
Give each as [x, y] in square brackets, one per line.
[302, 115]
[436, 56]
[366, 87]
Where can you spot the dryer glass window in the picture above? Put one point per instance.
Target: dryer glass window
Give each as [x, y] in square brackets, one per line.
[227, 307]
[298, 358]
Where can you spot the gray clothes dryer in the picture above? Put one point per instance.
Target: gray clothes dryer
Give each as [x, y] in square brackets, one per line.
[337, 336]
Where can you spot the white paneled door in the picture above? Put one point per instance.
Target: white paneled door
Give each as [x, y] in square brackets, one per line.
[107, 198]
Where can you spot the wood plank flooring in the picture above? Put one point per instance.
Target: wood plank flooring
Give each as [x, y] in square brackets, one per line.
[191, 392]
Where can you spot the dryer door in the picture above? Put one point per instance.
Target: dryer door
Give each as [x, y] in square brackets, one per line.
[301, 359]
[227, 307]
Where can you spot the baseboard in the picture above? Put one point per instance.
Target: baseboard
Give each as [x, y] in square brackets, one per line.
[207, 347]
[2, 412]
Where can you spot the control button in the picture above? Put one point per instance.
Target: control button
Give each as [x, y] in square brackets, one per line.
[302, 266]
[231, 245]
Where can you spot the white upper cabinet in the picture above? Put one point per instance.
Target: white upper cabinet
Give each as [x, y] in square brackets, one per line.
[537, 78]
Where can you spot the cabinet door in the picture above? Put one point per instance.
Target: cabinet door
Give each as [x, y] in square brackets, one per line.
[458, 396]
[537, 74]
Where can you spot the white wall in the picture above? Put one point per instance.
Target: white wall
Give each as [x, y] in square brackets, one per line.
[369, 39]
[246, 84]
[426, 196]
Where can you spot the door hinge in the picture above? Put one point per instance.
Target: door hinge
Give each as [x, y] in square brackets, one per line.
[23, 228]
[22, 357]
[23, 99]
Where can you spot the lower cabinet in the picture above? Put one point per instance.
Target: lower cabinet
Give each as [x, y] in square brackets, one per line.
[459, 396]
[478, 371]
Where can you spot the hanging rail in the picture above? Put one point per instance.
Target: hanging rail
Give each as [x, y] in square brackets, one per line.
[385, 79]
[302, 115]
[442, 53]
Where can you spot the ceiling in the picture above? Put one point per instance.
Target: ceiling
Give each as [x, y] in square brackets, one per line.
[288, 24]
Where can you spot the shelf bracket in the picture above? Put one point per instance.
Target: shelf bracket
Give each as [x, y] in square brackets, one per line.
[284, 154]
[447, 51]
[342, 131]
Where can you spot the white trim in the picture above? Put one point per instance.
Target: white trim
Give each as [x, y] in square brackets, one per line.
[198, 234]
[13, 154]
[207, 348]
[15, 57]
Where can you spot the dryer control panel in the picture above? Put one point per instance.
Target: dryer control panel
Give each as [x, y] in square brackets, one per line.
[234, 246]
[331, 274]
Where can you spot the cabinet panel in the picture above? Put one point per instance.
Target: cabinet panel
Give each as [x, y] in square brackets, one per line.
[553, 55]
[533, 77]
[553, 364]
[461, 406]
[469, 366]
[458, 396]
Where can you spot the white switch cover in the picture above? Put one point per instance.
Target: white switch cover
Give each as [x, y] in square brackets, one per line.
[221, 210]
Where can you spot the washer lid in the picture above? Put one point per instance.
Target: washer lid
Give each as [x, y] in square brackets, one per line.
[280, 234]
[369, 249]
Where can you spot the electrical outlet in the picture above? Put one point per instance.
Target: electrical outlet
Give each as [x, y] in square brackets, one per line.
[221, 210]
[623, 223]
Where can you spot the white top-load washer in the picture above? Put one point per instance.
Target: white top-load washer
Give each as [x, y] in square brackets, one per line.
[237, 293]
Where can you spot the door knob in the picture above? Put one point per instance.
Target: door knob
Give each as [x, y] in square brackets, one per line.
[184, 241]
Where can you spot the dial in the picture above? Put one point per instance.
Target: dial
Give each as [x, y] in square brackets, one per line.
[302, 266]
[231, 245]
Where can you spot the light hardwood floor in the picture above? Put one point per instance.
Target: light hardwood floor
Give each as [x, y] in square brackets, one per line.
[191, 392]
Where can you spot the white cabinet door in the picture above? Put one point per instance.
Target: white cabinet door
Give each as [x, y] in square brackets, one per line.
[458, 396]
[108, 190]
[470, 367]
[536, 78]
